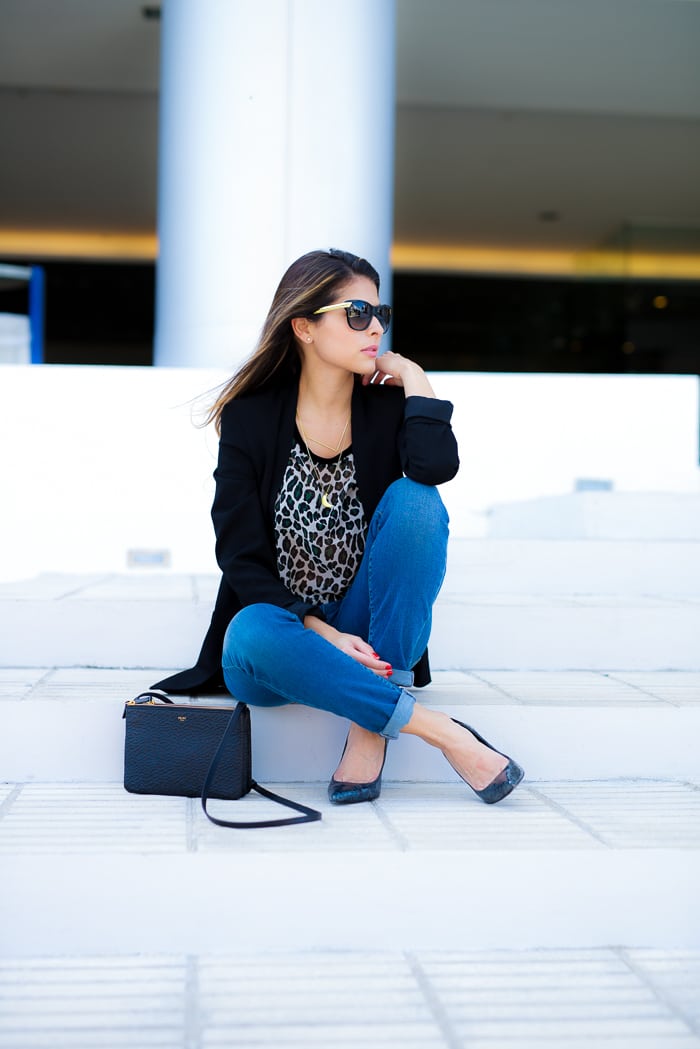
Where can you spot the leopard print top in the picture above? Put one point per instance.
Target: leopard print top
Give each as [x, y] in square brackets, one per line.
[319, 549]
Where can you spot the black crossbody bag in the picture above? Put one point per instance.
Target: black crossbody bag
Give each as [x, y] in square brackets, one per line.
[194, 751]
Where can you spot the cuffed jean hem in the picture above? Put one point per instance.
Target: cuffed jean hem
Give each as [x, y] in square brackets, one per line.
[402, 678]
[401, 716]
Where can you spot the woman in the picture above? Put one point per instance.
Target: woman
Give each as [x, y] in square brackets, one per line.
[330, 533]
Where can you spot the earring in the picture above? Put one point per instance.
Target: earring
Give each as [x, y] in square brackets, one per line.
[308, 338]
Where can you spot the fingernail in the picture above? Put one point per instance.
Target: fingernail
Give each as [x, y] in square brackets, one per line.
[389, 672]
[375, 655]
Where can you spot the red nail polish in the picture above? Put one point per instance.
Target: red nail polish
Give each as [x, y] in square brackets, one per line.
[375, 655]
[389, 672]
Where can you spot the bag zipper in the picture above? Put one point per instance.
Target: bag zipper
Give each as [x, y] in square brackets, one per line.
[176, 706]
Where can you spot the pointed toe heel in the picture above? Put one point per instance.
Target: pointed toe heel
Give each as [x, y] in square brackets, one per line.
[505, 782]
[341, 793]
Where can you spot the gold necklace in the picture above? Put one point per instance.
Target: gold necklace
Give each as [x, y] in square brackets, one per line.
[325, 501]
[323, 443]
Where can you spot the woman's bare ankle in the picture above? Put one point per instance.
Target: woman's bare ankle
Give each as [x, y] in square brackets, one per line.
[432, 726]
[472, 760]
[362, 758]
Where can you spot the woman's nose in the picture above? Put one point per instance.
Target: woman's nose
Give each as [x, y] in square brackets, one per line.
[375, 327]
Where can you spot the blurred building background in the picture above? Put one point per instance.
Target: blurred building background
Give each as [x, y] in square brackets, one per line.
[546, 177]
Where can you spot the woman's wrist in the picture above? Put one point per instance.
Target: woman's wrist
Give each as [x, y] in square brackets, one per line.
[320, 627]
[395, 370]
[414, 380]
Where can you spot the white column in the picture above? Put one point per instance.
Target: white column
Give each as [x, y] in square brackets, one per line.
[276, 137]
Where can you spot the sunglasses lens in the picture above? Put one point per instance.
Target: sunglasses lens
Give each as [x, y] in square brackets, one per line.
[384, 316]
[359, 315]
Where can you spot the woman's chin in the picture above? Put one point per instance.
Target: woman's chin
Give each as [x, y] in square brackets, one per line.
[365, 367]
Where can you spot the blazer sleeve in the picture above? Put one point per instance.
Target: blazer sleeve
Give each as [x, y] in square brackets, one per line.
[427, 445]
[244, 550]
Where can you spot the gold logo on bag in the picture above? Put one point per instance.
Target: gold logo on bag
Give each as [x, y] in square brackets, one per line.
[182, 718]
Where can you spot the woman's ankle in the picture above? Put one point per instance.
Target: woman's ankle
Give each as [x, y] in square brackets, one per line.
[432, 726]
[472, 760]
[363, 751]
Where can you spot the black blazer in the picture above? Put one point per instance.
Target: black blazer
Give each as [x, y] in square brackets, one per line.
[392, 435]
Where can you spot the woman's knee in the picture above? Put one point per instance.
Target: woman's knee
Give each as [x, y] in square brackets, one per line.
[253, 634]
[423, 502]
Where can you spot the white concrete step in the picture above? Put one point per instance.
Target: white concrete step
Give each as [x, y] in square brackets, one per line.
[599, 846]
[600, 515]
[489, 631]
[531, 605]
[65, 725]
[596, 632]
[563, 566]
[89, 869]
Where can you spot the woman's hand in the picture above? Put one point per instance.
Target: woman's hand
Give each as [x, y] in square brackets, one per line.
[351, 645]
[363, 653]
[391, 369]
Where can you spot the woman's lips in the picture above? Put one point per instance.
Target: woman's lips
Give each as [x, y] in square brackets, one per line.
[370, 351]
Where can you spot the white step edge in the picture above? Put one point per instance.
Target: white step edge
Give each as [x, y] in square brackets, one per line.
[561, 566]
[521, 632]
[78, 740]
[351, 900]
[538, 634]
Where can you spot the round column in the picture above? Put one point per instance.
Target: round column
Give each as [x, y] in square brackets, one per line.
[276, 137]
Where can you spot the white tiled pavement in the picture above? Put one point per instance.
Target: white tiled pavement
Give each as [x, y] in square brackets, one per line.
[99, 818]
[623, 999]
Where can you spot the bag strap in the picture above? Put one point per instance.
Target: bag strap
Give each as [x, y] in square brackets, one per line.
[309, 815]
[153, 693]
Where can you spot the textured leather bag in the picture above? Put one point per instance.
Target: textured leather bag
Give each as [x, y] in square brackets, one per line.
[195, 751]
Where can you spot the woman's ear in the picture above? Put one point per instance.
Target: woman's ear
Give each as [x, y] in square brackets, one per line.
[301, 326]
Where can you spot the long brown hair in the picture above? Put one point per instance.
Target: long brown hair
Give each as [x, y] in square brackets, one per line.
[308, 284]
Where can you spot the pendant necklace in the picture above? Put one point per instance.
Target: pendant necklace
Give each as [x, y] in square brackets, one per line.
[323, 444]
[325, 501]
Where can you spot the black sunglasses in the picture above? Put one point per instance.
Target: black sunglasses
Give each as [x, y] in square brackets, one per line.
[359, 313]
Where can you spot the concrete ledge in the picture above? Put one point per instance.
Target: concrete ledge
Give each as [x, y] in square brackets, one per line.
[75, 740]
[559, 633]
[538, 605]
[201, 902]
[496, 631]
[600, 515]
[568, 427]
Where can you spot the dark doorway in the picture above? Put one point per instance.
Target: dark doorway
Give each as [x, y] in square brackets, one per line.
[103, 313]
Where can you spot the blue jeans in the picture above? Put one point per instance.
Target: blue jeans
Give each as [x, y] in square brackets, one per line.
[270, 658]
